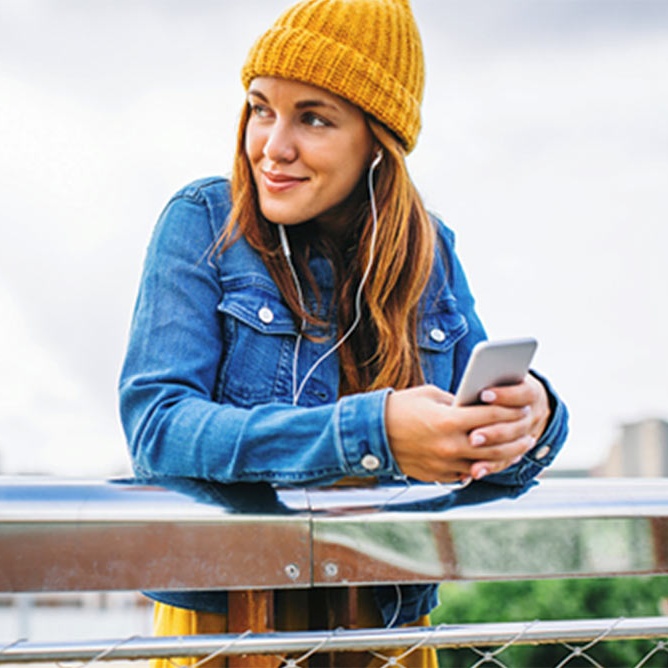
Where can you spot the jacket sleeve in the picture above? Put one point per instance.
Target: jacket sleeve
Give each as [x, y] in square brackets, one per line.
[554, 436]
[172, 423]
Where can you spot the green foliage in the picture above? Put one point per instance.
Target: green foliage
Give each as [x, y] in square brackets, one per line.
[529, 600]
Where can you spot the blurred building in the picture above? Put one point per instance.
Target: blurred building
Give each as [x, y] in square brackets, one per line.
[641, 451]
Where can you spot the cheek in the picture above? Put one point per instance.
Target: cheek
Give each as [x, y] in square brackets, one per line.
[253, 143]
[355, 153]
[351, 164]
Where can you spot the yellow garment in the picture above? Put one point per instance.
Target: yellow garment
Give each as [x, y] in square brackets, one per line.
[367, 51]
[172, 621]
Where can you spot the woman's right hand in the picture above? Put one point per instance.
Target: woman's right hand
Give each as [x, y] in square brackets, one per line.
[431, 439]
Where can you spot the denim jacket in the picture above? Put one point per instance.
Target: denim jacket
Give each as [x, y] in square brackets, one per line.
[207, 385]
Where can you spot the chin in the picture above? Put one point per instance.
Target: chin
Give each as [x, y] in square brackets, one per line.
[279, 219]
[279, 216]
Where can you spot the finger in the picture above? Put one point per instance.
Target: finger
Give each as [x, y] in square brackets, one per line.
[531, 393]
[474, 417]
[500, 458]
[480, 470]
[452, 470]
[505, 452]
[521, 394]
[501, 432]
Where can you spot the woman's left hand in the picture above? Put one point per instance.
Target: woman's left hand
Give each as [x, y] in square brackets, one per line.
[531, 394]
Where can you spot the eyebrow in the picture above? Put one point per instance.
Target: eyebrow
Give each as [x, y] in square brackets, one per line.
[302, 104]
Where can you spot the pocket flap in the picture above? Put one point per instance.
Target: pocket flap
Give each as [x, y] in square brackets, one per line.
[440, 330]
[255, 301]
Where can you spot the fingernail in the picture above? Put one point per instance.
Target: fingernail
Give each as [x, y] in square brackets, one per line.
[477, 439]
[487, 396]
[481, 473]
[517, 460]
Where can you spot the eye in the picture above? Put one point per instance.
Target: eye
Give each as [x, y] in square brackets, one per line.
[259, 110]
[315, 120]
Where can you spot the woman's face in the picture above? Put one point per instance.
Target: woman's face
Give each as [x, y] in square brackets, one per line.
[308, 149]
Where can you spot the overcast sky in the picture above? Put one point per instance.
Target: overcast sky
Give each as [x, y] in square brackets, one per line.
[544, 146]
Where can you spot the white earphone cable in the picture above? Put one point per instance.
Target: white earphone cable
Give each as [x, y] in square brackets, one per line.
[297, 391]
[288, 258]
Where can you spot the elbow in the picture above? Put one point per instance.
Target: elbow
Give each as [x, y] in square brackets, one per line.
[138, 418]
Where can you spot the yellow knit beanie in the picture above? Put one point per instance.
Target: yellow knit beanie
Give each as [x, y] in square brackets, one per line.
[367, 51]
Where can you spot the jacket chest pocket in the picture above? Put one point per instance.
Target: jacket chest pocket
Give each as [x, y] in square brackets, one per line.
[438, 333]
[258, 344]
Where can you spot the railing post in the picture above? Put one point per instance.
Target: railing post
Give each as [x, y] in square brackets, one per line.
[332, 608]
[251, 609]
[660, 537]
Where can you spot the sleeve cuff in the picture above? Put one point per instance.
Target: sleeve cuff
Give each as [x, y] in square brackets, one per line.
[552, 440]
[362, 440]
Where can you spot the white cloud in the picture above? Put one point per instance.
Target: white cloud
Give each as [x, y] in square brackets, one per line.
[48, 424]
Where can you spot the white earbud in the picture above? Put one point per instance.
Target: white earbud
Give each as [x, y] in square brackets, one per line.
[377, 159]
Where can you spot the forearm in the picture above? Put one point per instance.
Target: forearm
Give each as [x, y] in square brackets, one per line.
[174, 432]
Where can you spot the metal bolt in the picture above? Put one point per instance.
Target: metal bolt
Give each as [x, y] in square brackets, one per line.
[292, 571]
[331, 569]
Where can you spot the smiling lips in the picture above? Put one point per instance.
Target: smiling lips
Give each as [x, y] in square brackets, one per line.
[276, 182]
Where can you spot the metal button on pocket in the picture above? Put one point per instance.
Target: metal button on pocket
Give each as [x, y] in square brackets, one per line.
[370, 462]
[437, 335]
[266, 315]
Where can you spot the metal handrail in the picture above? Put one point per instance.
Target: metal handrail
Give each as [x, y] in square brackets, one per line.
[465, 635]
[68, 535]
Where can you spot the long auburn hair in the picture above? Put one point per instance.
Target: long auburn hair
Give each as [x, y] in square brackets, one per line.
[382, 351]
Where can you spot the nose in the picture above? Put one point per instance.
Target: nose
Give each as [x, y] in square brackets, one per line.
[280, 143]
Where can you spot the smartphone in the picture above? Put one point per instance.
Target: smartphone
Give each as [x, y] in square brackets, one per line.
[493, 364]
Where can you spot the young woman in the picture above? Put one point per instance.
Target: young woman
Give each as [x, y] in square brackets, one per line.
[308, 321]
